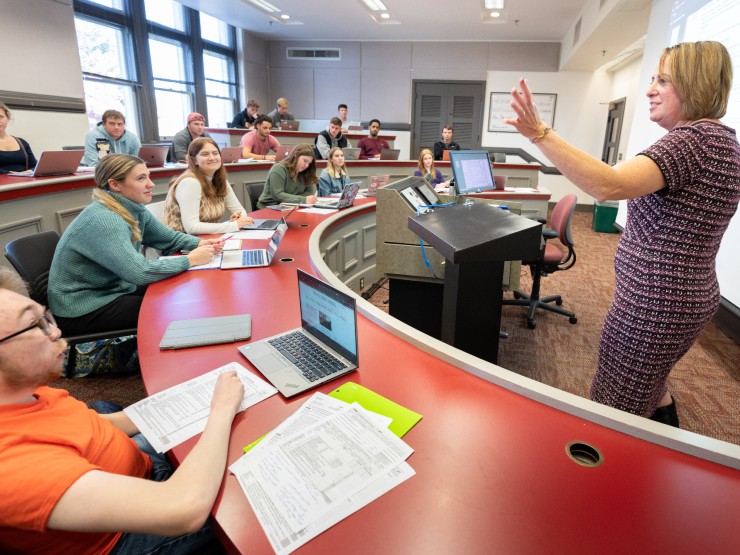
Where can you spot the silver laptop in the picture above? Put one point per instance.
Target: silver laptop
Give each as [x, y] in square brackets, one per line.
[322, 349]
[153, 155]
[390, 154]
[351, 153]
[255, 258]
[54, 162]
[231, 154]
[181, 334]
[346, 200]
[263, 224]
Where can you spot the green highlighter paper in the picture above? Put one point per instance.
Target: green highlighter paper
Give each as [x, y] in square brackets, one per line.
[403, 418]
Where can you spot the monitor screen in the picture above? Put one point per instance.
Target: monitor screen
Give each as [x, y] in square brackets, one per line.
[472, 171]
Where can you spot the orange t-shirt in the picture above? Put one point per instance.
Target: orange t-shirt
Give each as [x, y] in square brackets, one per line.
[44, 448]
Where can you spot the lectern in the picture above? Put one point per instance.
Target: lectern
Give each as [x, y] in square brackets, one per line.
[475, 240]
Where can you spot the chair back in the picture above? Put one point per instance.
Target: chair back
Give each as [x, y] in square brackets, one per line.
[157, 209]
[560, 219]
[254, 190]
[31, 257]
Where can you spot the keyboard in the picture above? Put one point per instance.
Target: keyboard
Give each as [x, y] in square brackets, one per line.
[313, 361]
[267, 224]
[253, 258]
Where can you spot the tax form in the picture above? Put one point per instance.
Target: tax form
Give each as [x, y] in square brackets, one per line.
[176, 414]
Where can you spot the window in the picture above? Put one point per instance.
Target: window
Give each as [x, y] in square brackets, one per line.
[190, 64]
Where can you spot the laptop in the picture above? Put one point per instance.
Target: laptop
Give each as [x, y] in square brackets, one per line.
[231, 154]
[328, 326]
[351, 153]
[255, 258]
[54, 162]
[283, 151]
[289, 125]
[346, 200]
[389, 154]
[376, 182]
[265, 224]
[182, 334]
[154, 155]
[445, 155]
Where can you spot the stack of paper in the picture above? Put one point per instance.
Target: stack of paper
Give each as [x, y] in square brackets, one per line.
[326, 461]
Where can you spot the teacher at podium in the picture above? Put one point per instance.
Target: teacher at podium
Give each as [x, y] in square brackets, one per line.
[682, 192]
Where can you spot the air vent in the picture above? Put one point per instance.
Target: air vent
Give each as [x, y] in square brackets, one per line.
[333, 54]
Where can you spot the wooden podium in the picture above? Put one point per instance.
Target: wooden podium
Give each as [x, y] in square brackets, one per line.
[475, 240]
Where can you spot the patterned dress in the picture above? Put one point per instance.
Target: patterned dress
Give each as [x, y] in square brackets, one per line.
[666, 285]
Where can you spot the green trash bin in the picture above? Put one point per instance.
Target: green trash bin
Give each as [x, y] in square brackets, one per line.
[605, 214]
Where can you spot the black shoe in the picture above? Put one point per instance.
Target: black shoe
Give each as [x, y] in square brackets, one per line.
[667, 415]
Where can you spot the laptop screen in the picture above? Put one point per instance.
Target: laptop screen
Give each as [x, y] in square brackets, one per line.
[276, 238]
[329, 315]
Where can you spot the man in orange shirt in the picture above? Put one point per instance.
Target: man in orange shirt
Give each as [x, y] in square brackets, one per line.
[67, 469]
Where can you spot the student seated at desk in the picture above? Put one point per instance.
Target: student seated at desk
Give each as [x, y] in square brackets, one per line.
[75, 481]
[98, 275]
[372, 145]
[291, 180]
[15, 153]
[245, 118]
[333, 178]
[427, 169]
[258, 143]
[198, 199]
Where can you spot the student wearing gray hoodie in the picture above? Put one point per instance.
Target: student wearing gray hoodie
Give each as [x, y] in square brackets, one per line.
[110, 137]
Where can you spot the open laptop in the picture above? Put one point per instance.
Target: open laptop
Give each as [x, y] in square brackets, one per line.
[153, 155]
[351, 153]
[389, 154]
[254, 258]
[328, 326]
[231, 154]
[54, 162]
[264, 224]
[376, 182]
[283, 151]
[346, 200]
[289, 125]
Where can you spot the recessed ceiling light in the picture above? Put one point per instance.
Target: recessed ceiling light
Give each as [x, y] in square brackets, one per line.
[266, 6]
[495, 14]
[285, 16]
[385, 15]
[375, 5]
[494, 4]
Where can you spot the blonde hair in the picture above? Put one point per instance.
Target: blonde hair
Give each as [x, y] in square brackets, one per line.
[116, 167]
[702, 74]
[335, 171]
[422, 169]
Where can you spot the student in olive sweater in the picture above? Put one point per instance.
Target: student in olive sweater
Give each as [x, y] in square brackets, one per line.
[98, 275]
[291, 180]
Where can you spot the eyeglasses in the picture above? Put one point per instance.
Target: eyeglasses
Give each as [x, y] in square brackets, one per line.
[46, 324]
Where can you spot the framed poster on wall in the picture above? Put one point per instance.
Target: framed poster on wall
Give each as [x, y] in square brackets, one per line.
[499, 108]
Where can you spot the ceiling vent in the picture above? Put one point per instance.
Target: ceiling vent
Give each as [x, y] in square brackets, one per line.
[332, 54]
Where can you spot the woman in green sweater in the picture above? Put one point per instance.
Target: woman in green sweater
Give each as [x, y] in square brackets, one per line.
[98, 276]
[291, 180]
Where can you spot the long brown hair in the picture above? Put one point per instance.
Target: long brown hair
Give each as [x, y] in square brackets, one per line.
[116, 167]
[422, 169]
[308, 176]
[218, 185]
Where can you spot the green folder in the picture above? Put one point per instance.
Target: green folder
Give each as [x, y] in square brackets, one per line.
[403, 418]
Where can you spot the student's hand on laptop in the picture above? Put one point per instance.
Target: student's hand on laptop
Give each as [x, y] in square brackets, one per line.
[270, 157]
[241, 219]
[311, 199]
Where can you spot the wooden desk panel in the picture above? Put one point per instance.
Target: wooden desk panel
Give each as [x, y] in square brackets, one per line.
[492, 471]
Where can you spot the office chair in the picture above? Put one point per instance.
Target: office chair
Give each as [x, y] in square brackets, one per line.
[254, 190]
[31, 257]
[551, 260]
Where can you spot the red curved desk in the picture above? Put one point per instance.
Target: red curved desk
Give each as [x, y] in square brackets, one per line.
[492, 474]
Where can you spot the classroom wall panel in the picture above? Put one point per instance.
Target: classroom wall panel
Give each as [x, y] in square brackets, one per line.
[334, 87]
[297, 86]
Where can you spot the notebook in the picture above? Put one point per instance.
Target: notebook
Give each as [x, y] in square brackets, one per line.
[231, 154]
[345, 201]
[255, 258]
[54, 162]
[351, 153]
[153, 155]
[181, 334]
[263, 224]
[389, 154]
[328, 325]
[289, 125]
[283, 151]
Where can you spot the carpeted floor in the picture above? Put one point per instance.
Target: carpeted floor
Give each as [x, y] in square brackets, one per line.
[705, 383]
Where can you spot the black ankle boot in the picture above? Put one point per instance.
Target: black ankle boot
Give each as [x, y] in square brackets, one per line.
[667, 415]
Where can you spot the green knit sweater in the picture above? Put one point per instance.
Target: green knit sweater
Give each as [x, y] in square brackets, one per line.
[279, 187]
[95, 261]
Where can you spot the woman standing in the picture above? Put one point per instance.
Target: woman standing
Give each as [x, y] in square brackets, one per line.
[98, 275]
[427, 169]
[333, 178]
[15, 153]
[198, 199]
[683, 190]
[292, 179]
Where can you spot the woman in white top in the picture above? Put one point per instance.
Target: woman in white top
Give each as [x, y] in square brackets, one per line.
[198, 200]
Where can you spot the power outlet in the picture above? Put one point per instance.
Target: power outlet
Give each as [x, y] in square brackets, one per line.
[362, 283]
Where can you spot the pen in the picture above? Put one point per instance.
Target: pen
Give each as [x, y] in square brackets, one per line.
[225, 238]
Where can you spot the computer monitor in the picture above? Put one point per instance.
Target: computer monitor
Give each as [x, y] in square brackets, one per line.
[472, 171]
